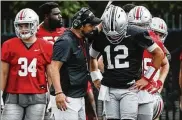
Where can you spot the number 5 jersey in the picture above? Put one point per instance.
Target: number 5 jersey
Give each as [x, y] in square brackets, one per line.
[27, 66]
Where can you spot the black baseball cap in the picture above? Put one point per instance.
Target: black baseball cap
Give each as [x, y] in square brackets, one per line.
[87, 17]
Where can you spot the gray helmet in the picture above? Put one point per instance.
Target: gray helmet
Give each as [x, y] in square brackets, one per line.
[114, 22]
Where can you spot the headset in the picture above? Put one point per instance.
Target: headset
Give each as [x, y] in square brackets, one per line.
[77, 23]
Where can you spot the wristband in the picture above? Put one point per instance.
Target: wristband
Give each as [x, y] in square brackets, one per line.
[150, 73]
[1, 92]
[95, 75]
[57, 93]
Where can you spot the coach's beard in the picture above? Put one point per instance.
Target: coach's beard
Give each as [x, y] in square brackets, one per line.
[88, 34]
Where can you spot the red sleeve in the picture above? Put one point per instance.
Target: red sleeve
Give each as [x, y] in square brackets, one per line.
[5, 53]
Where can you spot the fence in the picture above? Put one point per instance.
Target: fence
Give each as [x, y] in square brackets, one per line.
[173, 22]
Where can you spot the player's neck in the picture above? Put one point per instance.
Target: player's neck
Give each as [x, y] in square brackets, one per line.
[30, 40]
[77, 32]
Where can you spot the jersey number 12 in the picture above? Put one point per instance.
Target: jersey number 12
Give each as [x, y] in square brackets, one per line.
[117, 57]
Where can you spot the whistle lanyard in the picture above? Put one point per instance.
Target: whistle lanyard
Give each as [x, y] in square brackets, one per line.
[84, 45]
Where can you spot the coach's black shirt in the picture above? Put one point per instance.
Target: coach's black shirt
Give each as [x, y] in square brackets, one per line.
[74, 73]
[123, 61]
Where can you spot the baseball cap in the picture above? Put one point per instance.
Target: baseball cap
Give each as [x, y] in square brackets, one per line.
[87, 17]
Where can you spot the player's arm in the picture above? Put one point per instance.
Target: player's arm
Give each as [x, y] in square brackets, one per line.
[48, 73]
[101, 64]
[94, 71]
[4, 74]
[4, 77]
[157, 54]
[145, 41]
[163, 71]
[5, 60]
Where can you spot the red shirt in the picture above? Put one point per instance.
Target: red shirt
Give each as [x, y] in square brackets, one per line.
[50, 36]
[27, 66]
[147, 57]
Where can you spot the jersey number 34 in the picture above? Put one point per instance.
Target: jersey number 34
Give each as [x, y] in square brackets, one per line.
[25, 68]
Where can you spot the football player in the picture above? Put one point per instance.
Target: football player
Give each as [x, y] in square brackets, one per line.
[52, 26]
[140, 16]
[25, 60]
[122, 49]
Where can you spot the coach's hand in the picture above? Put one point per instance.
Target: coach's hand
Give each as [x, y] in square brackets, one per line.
[97, 84]
[61, 100]
[140, 84]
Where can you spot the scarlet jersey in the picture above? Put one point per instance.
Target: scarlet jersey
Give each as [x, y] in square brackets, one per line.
[50, 36]
[27, 66]
[147, 57]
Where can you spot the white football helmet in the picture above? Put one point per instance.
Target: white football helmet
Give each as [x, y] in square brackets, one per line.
[30, 17]
[160, 26]
[140, 16]
[114, 22]
[158, 105]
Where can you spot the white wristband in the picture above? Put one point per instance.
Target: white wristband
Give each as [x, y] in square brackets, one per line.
[1, 92]
[96, 75]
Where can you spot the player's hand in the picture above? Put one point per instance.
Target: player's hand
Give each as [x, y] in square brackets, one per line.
[99, 26]
[140, 84]
[97, 84]
[155, 86]
[61, 100]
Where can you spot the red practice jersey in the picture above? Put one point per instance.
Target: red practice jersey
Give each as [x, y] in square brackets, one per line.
[50, 36]
[147, 57]
[27, 66]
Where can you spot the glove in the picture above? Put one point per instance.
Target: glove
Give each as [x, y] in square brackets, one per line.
[154, 86]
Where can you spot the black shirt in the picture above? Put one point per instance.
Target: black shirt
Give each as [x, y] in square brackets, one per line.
[74, 73]
[123, 61]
